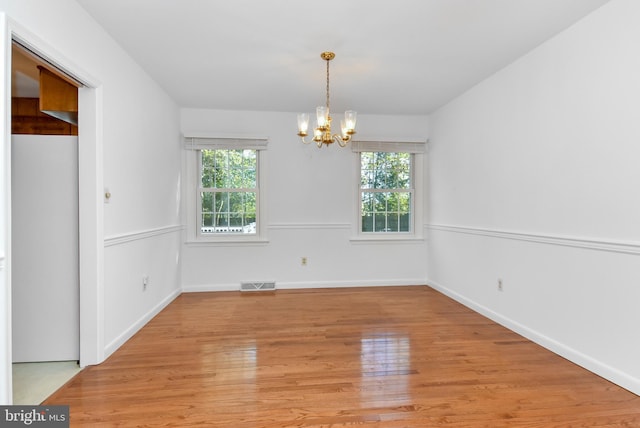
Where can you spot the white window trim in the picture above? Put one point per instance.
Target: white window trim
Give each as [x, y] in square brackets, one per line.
[417, 147]
[193, 144]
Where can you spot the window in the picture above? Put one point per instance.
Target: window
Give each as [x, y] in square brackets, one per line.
[389, 189]
[386, 193]
[228, 190]
[224, 188]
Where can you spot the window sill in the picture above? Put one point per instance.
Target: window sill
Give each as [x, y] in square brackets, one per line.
[387, 238]
[231, 241]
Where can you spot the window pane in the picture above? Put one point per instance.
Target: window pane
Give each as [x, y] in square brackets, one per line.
[250, 202]
[367, 222]
[221, 201]
[236, 202]
[380, 222]
[367, 202]
[366, 179]
[235, 221]
[380, 204]
[366, 160]
[403, 171]
[221, 168]
[221, 220]
[207, 169]
[392, 223]
[367, 170]
[236, 158]
[207, 202]
[249, 178]
[233, 174]
[207, 223]
[404, 202]
[405, 222]
[249, 158]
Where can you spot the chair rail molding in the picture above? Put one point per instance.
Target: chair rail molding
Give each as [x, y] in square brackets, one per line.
[141, 234]
[625, 247]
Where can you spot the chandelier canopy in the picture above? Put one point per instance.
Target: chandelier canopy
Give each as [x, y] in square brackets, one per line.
[322, 132]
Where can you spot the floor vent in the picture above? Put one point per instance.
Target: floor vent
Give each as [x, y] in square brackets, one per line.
[258, 286]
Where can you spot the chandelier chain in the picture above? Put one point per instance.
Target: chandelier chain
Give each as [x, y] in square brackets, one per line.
[327, 84]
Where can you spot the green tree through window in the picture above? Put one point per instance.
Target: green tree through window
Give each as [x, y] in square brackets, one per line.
[228, 189]
[385, 191]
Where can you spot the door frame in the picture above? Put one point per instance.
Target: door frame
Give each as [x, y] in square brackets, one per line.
[90, 201]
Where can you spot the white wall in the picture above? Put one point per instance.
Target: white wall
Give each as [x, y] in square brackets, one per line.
[534, 179]
[311, 194]
[138, 159]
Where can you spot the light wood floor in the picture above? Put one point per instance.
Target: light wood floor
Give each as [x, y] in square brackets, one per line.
[384, 357]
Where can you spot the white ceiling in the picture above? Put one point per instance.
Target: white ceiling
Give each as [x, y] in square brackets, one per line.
[392, 57]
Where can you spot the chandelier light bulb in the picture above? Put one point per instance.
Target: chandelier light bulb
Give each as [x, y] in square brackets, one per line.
[303, 123]
[350, 120]
[322, 114]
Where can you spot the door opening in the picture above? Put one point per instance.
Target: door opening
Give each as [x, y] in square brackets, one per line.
[45, 226]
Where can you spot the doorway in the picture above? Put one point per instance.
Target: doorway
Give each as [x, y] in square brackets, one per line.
[44, 227]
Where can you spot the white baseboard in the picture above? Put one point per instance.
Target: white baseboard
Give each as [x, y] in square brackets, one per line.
[349, 284]
[308, 284]
[128, 334]
[610, 373]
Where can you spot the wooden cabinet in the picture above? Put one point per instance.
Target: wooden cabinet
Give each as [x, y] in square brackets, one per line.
[58, 98]
[55, 112]
[26, 118]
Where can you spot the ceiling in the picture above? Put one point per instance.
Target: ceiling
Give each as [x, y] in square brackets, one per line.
[392, 57]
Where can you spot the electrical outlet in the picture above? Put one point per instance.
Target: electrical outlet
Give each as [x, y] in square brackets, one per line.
[303, 261]
[145, 282]
[500, 288]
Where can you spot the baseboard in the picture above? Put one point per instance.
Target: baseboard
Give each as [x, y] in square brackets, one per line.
[350, 284]
[610, 373]
[308, 284]
[128, 334]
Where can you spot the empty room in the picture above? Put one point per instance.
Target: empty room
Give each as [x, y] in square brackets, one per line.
[290, 214]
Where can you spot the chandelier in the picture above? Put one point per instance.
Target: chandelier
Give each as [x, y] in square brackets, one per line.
[322, 132]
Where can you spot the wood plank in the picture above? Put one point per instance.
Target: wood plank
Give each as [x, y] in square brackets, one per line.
[379, 356]
[58, 97]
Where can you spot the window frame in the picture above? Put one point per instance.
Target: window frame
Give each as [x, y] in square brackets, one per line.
[192, 188]
[416, 149]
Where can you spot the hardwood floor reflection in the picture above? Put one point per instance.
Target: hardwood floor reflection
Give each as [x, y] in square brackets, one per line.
[380, 356]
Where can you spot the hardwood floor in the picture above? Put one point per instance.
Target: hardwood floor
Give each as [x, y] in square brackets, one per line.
[381, 356]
